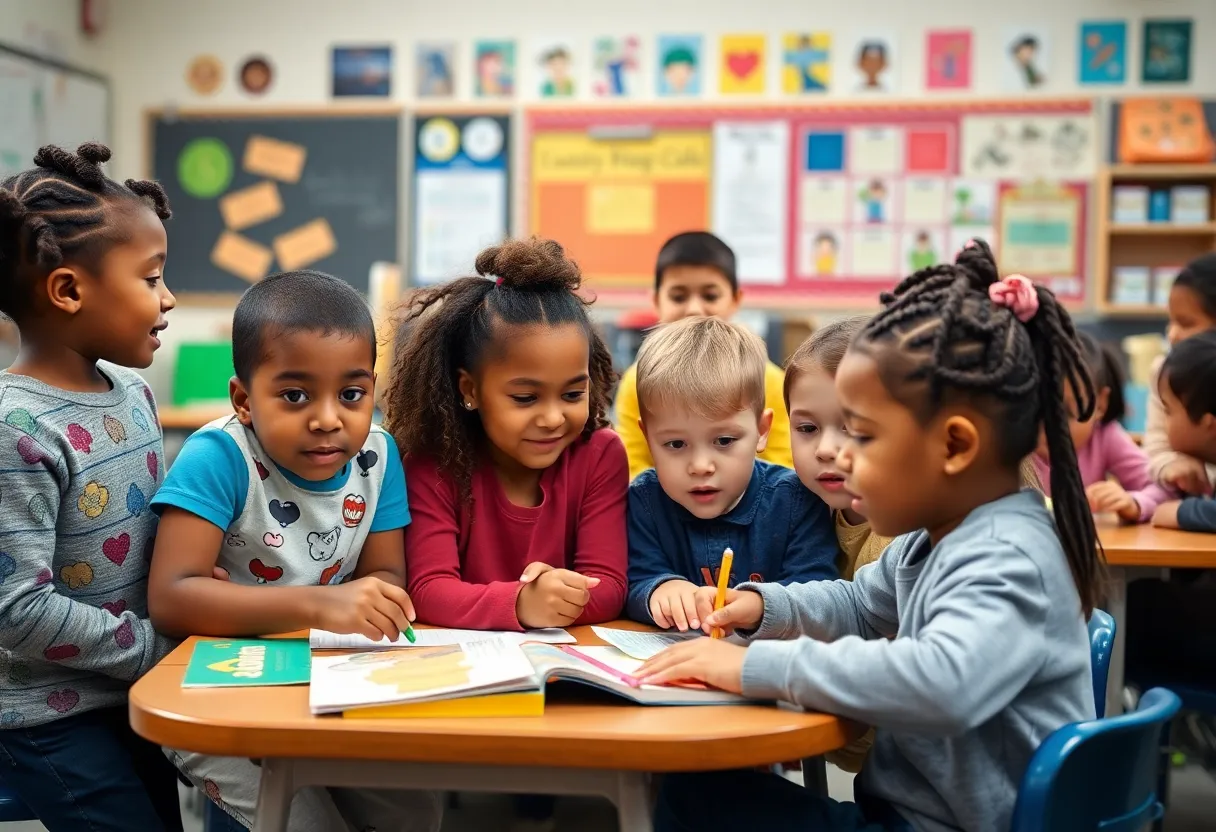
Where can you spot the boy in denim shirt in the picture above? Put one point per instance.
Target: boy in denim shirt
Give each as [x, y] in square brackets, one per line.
[701, 393]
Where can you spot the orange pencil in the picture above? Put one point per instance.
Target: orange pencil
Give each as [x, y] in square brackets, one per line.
[728, 558]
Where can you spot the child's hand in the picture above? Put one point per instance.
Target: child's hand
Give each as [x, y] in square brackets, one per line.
[743, 610]
[367, 606]
[674, 604]
[1166, 515]
[1187, 475]
[552, 597]
[710, 660]
[1108, 495]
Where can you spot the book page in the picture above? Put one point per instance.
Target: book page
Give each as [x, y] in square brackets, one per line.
[642, 646]
[432, 637]
[384, 677]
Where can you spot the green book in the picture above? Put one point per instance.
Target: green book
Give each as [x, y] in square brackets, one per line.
[249, 662]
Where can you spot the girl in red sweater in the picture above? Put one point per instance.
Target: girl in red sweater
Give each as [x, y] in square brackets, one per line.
[516, 486]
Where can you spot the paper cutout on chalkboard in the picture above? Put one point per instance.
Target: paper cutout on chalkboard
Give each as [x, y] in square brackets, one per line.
[305, 245]
[241, 256]
[621, 208]
[250, 206]
[276, 159]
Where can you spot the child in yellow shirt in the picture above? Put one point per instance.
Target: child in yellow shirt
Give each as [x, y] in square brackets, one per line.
[695, 276]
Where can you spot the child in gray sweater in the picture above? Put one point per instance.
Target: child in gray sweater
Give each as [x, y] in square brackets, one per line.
[965, 645]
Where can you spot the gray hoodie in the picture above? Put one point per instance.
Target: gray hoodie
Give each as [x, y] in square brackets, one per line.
[965, 656]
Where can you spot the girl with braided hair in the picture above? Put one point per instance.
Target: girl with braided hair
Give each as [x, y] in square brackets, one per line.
[965, 644]
[81, 275]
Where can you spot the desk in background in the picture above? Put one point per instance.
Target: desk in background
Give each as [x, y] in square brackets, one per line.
[1137, 552]
[575, 748]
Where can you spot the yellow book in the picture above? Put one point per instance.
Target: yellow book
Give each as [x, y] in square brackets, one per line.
[523, 703]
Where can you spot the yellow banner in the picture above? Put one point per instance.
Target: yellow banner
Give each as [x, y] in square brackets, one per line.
[670, 156]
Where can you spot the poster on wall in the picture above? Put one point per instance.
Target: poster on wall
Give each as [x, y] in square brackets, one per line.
[1103, 51]
[461, 184]
[871, 64]
[750, 188]
[742, 65]
[494, 68]
[948, 59]
[434, 70]
[1041, 234]
[1167, 52]
[615, 66]
[1027, 58]
[1030, 147]
[680, 65]
[553, 68]
[806, 62]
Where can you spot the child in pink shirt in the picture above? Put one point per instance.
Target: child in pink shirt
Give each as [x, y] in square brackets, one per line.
[1104, 449]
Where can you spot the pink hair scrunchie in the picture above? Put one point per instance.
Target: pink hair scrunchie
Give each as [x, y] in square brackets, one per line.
[1017, 294]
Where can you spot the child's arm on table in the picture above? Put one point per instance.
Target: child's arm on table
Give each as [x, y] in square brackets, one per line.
[1166, 466]
[35, 616]
[600, 550]
[1194, 514]
[811, 549]
[649, 566]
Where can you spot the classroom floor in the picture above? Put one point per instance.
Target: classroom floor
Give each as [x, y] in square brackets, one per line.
[1192, 806]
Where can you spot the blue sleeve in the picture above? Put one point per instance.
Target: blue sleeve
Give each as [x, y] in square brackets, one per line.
[648, 567]
[393, 507]
[810, 553]
[209, 478]
[1197, 514]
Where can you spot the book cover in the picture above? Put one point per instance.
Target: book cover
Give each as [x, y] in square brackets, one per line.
[245, 662]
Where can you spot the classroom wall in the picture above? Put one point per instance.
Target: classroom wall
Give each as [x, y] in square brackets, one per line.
[147, 44]
[48, 27]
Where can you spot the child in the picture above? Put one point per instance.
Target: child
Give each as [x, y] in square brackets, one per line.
[1172, 625]
[288, 515]
[499, 403]
[695, 276]
[81, 263]
[701, 396]
[1192, 309]
[1103, 446]
[966, 643]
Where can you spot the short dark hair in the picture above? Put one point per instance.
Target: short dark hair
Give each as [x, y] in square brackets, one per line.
[1199, 276]
[299, 301]
[1106, 369]
[1190, 371]
[57, 212]
[696, 248]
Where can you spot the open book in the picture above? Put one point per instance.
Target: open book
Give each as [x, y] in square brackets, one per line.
[482, 668]
[431, 637]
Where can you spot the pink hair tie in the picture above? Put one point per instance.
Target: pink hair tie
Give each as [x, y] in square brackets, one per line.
[1017, 294]
[497, 281]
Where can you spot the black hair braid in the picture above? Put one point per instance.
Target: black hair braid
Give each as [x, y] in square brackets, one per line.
[56, 212]
[957, 338]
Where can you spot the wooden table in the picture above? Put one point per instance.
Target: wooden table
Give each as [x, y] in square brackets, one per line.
[1135, 552]
[575, 748]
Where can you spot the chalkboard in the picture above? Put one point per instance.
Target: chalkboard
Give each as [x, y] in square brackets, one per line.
[261, 193]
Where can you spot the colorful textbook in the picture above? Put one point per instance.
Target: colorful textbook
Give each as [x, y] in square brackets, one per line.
[244, 663]
[394, 682]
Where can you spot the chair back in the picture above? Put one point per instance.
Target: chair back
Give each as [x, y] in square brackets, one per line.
[1098, 775]
[1101, 643]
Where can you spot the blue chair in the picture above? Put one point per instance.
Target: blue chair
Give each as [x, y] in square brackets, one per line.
[1101, 642]
[1099, 775]
[11, 807]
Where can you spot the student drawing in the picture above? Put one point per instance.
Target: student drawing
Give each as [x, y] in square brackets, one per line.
[557, 80]
[873, 64]
[495, 69]
[807, 60]
[616, 63]
[874, 199]
[1026, 54]
[679, 65]
[826, 254]
[922, 255]
[434, 67]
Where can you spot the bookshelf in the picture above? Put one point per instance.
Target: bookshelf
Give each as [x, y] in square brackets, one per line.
[1153, 245]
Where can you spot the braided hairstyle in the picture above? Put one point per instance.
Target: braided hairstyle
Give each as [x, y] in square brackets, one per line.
[952, 343]
[454, 326]
[56, 213]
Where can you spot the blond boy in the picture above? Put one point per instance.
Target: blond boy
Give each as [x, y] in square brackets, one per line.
[701, 395]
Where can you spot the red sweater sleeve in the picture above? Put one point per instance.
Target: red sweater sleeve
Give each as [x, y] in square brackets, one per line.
[600, 550]
[441, 597]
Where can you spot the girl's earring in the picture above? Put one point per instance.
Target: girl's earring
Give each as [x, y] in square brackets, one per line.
[468, 405]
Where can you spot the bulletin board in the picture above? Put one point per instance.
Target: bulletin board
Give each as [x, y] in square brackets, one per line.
[257, 192]
[462, 191]
[826, 204]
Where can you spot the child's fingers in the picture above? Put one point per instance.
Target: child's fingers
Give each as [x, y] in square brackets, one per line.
[401, 599]
[534, 570]
[689, 602]
[220, 574]
[658, 611]
[390, 608]
[566, 609]
[677, 614]
[572, 595]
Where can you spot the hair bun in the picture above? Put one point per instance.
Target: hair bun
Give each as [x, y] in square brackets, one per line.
[978, 261]
[530, 265]
[93, 152]
[82, 166]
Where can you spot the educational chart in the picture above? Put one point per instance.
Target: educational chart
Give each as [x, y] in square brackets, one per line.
[827, 204]
[461, 191]
[255, 194]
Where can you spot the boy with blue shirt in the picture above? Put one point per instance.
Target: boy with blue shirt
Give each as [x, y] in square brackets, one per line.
[701, 392]
[290, 515]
